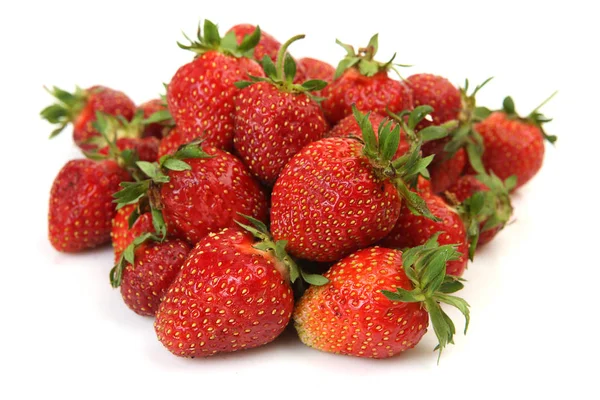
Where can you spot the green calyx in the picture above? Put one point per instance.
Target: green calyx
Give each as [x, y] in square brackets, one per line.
[425, 266]
[364, 61]
[212, 41]
[66, 109]
[535, 117]
[403, 171]
[465, 136]
[128, 257]
[282, 73]
[486, 210]
[266, 243]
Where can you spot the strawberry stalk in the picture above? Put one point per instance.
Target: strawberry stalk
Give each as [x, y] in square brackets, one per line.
[425, 266]
[67, 108]
[277, 248]
[535, 117]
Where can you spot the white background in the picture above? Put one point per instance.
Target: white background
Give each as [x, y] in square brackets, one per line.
[64, 331]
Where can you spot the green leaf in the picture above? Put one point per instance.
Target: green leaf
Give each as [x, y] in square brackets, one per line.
[314, 279]
[176, 165]
[258, 225]
[367, 130]
[131, 193]
[510, 183]
[457, 302]
[242, 84]
[289, 68]
[314, 84]
[158, 222]
[150, 169]
[191, 150]
[390, 146]
[250, 41]
[475, 153]
[269, 67]
[433, 276]
[418, 114]
[509, 105]
[211, 34]
[135, 214]
[451, 285]
[368, 68]
[128, 253]
[345, 64]
[481, 113]
[159, 116]
[442, 329]
[433, 133]
[229, 42]
[374, 43]
[403, 295]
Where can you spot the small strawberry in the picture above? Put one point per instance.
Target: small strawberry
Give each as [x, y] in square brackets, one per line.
[200, 95]
[437, 92]
[199, 190]
[349, 127]
[127, 225]
[413, 230]
[233, 293]
[81, 207]
[146, 269]
[80, 107]
[378, 302]
[275, 118]
[150, 109]
[316, 69]
[484, 204]
[266, 46]
[338, 195]
[362, 81]
[171, 142]
[514, 145]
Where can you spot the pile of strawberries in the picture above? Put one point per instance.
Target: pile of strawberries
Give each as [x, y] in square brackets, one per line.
[263, 189]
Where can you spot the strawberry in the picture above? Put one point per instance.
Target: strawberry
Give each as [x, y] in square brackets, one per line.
[361, 80]
[171, 142]
[484, 204]
[514, 145]
[233, 293]
[445, 169]
[151, 108]
[378, 302]
[316, 69]
[80, 107]
[127, 225]
[437, 92]
[275, 118]
[338, 195]
[146, 269]
[198, 190]
[412, 230]
[146, 148]
[266, 46]
[81, 207]
[348, 127]
[200, 95]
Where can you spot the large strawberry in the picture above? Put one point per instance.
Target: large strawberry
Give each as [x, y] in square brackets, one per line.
[199, 190]
[80, 107]
[378, 302]
[266, 46]
[200, 94]
[275, 118]
[81, 206]
[484, 204]
[413, 230]
[338, 195]
[233, 293]
[362, 81]
[146, 269]
[514, 145]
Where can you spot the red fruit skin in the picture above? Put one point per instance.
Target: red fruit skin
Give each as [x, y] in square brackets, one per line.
[200, 97]
[411, 231]
[348, 126]
[103, 99]
[81, 204]
[437, 92]
[444, 172]
[170, 143]
[210, 196]
[512, 147]
[327, 203]
[465, 187]
[150, 107]
[146, 148]
[271, 126]
[377, 93]
[349, 315]
[267, 44]
[316, 69]
[156, 266]
[121, 235]
[228, 296]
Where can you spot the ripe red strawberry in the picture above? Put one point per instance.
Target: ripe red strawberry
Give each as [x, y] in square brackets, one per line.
[275, 118]
[200, 95]
[484, 204]
[267, 45]
[445, 169]
[81, 207]
[437, 92]
[127, 225]
[145, 148]
[513, 145]
[316, 69]
[80, 107]
[200, 191]
[348, 127]
[232, 294]
[377, 302]
[338, 195]
[149, 109]
[412, 230]
[365, 82]
[146, 269]
[170, 143]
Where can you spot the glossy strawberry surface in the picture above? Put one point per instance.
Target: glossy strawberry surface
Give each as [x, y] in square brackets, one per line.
[437, 92]
[121, 234]
[150, 107]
